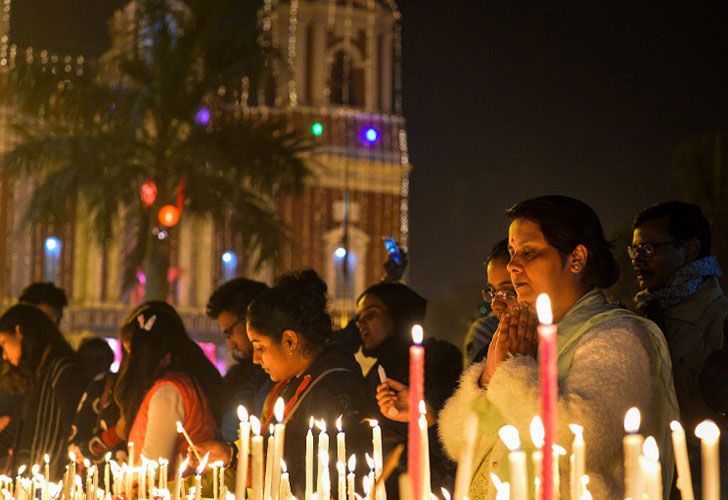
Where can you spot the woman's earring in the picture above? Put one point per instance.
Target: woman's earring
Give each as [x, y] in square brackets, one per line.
[577, 267]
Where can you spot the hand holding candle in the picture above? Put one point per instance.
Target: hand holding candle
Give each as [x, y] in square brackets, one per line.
[181, 430]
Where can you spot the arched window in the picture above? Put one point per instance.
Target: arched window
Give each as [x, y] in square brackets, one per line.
[354, 84]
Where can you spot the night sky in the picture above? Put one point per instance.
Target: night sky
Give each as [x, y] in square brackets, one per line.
[506, 100]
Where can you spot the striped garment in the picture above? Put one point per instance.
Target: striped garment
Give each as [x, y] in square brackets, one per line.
[48, 411]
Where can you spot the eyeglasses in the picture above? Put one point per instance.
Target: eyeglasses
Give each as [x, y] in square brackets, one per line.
[504, 295]
[227, 332]
[647, 249]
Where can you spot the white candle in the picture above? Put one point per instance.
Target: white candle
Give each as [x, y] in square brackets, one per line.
[632, 444]
[679, 446]
[340, 442]
[341, 470]
[325, 477]
[256, 446]
[143, 477]
[557, 452]
[323, 447]
[651, 473]
[129, 476]
[425, 450]
[709, 435]
[21, 470]
[351, 478]
[107, 473]
[381, 493]
[269, 453]
[516, 462]
[309, 460]
[241, 474]
[503, 490]
[578, 451]
[178, 483]
[198, 476]
[279, 430]
[215, 466]
[285, 493]
[537, 437]
[368, 480]
[465, 462]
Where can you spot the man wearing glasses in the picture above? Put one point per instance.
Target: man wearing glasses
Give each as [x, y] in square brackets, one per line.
[679, 290]
[244, 383]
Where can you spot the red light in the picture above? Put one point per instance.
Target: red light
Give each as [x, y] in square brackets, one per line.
[148, 192]
[168, 215]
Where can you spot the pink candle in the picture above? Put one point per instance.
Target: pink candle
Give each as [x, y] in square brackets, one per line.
[547, 376]
[416, 394]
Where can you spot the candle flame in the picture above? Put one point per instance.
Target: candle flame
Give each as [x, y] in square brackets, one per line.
[543, 309]
[338, 423]
[271, 429]
[107, 457]
[445, 494]
[559, 450]
[586, 495]
[310, 423]
[632, 420]
[279, 409]
[321, 425]
[423, 407]
[46, 458]
[352, 463]
[86, 463]
[650, 449]
[203, 463]
[707, 431]
[418, 334]
[242, 413]
[676, 427]
[35, 469]
[21, 469]
[183, 466]
[72, 456]
[373, 422]
[180, 429]
[537, 432]
[509, 436]
[577, 429]
[284, 470]
[496, 480]
[370, 461]
[255, 425]
[92, 470]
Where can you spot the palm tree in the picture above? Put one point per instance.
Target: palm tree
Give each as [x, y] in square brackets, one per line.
[158, 109]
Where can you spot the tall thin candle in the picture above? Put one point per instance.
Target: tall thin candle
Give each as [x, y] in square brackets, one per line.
[351, 478]
[632, 445]
[547, 378]
[650, 462]
[256, 446]
[709, 435]
[241, 474]
[267, 491]
[516, 462]
[178, 484]
[323, 447]
[578, 469]
[309, 461]
[537, 456]
[279, 430]
[465, 461]
[679, 446]
[416, 394]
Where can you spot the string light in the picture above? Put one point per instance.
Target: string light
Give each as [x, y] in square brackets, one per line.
[292, 41]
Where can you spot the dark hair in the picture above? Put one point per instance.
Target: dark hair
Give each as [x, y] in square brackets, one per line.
[39, 332]
[498, 251]
[405, 305]
[44, 293]
[96, 355]
[567, 222]
[166, 337]
[685, 221]
[296, 302]
[234, 296]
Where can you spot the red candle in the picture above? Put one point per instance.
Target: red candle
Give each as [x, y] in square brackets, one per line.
[416, 394]
[547, 377]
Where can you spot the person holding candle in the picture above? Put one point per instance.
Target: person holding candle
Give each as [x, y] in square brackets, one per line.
[608, 358]
[291, 332]
[167, 379]
[31, 342]
[386, 313]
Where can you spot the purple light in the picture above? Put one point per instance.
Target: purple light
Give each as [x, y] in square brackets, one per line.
[371, 135]
[202, 117]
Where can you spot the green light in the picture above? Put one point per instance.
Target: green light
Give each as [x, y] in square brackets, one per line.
[317, 129]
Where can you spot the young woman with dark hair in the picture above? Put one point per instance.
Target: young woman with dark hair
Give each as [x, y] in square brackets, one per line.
[609, 359]
[290, 328]
[166, 379]
[31, 342]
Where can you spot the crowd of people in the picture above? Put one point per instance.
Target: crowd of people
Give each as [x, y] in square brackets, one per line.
[666, 355]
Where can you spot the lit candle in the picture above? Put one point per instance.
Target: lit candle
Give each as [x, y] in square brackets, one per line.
[351, 478]
[107, 473]
[129, 476]
[679, 446]
[368, 481]
[326, 478]
[651, 473]
[323, 447]
[143, 476]
[309, 460]
[709, 435]
[256, 447]
[416, 394]
[578, 469]
[424, 450]
[241, 474]
[465, 463]
[181, 430]
[537, 433]
[198, 476]
[445, 494]
[178, 483]
[381, 492]
[516, 462]
[46, 469]
[34, 479]
[269, 453]
[279, 430]
[340, 442]
[71, 473]
[21, 470]
[341, 470]
[216, 466]
[632, 444]
[503, 490]
[548, 373]
[286, 493]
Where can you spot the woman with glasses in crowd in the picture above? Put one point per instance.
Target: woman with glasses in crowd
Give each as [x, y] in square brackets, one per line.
[609, 359]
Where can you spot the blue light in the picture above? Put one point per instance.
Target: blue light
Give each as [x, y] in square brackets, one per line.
[371, 135]
[229, 265]
[52, 244]
[228, 257]
[202, 117]
[340, 252]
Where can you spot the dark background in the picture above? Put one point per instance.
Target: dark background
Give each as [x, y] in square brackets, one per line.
[506, 100]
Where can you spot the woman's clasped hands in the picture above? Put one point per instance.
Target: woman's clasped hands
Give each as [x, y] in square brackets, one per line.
[516, 334]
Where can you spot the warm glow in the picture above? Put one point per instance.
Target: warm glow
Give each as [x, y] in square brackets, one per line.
[47, 458]
[676, 427]
[180, 428]
[707, 431]
[310, 422]
[543, 309]
[509, 436]
[284, 470]
[203, 463]
[183, 466]
[92, 470]
[650, 449]
[422, 407]
[417, 334]
[577, 429]
[496, 480]
[373, 422]
[586, 495]
[271, 429]
[21, 469]
[72, 457]
[279, 410]
[537, 432]
[255, 425]
[168, 215]
[242, 413]
[445, 494]
[321, 424]
[35, 469]
[632, 420]
[559, 450]
[338, 424]
[87, 462]
[370, 461]
[107, 457]
[352, 463]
